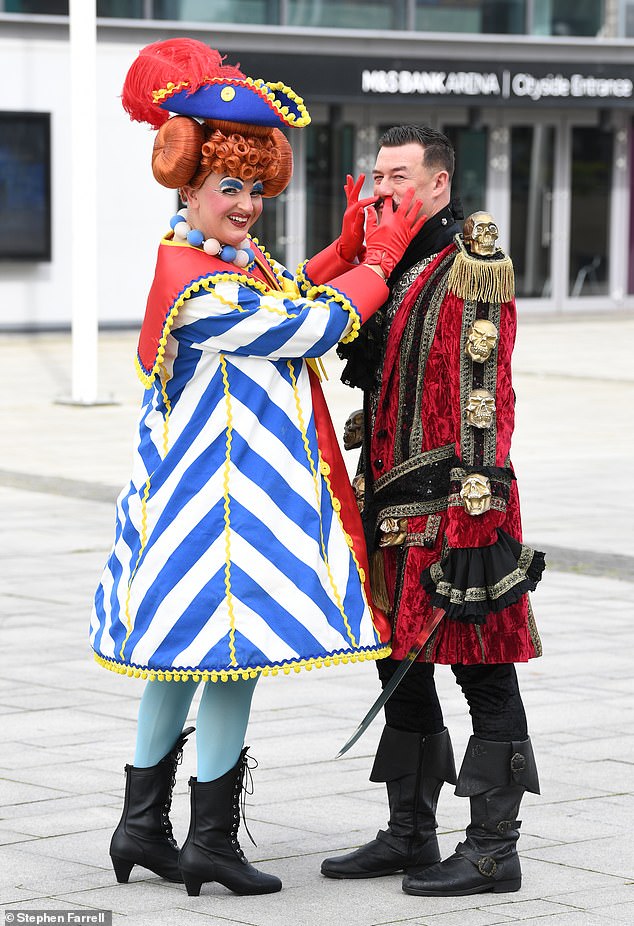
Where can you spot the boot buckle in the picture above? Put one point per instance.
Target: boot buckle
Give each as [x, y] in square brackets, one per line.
[487, 866]
[518, 765]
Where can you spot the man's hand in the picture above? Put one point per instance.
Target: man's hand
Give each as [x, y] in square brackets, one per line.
[387, 240]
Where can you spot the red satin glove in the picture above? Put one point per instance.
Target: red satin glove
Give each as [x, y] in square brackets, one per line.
[350, 242]
[386, 241]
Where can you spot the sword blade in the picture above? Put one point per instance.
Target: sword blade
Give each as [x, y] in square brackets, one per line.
[422, 638]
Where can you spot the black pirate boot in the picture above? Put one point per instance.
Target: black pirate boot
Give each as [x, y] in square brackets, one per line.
[414, 768]
[494, 776]
[211, 851]
[144, 834]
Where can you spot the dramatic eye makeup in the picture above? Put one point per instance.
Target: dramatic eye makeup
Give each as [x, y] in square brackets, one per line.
[230, 185]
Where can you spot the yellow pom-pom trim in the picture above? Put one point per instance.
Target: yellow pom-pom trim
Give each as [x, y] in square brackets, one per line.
[234, 674]
[342, 300]
[266, 91]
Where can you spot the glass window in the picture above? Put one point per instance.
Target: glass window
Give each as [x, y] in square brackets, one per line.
[511, 17]
[590, 195]
[122, 9]
[470, 175]
[52, 7]
[348, 14]
[329, 157]
[25, 194]
[574, 17]
[220, 11]
[532, 172]
[492, 16]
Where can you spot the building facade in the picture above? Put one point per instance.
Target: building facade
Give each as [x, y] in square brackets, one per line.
[537, 96]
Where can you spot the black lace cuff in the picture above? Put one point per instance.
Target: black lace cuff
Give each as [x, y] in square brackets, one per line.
[473, 582]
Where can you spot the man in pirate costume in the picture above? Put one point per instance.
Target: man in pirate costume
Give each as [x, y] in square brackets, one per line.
[441, 516]
[238, 547]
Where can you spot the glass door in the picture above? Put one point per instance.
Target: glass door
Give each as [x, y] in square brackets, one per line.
[590, 196]
[532, 180]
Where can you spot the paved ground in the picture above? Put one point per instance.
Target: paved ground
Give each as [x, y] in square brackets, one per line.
[67, 727]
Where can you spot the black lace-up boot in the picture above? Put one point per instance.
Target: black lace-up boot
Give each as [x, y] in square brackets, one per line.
[494, 776]
[414, 768]
[144, 834]
[211, 851]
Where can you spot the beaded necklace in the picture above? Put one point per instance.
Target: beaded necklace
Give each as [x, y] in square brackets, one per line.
[242, 256]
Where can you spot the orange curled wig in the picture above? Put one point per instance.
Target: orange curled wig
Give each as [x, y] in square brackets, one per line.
[186, 152]
[205, 93]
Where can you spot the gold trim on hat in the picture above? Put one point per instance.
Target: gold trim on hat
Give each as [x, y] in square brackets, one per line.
[265, 90]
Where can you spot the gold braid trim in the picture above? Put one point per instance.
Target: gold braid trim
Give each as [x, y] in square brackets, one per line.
[482, 280]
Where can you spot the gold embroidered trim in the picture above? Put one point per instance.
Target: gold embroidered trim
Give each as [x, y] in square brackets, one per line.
[483, 593]
[426, 538]
[431, 530]
[477, 375]
[414, 463]
[497, 504]
[414, 509]
[532, 629]
[437, 282]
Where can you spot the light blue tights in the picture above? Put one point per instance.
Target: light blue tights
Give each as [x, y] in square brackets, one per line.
[221, 723]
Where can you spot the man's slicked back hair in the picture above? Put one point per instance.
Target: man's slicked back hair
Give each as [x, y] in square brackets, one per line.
[438, 154]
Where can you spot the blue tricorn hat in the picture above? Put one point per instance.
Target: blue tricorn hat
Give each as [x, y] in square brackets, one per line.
[188, 78]
[251, 102]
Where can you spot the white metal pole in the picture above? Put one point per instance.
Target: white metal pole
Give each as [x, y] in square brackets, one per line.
[83, 80]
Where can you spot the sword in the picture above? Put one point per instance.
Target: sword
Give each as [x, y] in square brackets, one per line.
[426, 631]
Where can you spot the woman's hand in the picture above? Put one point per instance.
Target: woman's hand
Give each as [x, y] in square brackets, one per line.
[350, 242]
[387, 239]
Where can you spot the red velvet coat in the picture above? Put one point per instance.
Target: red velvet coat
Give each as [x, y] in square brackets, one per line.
[419, 419]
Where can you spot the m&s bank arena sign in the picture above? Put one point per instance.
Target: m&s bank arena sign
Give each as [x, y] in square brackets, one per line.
[503, 84]
[356, 78]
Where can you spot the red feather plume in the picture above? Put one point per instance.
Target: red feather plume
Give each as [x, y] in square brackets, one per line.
[174, 60]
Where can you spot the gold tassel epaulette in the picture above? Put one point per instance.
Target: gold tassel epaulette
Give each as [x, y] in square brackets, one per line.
[480, 279]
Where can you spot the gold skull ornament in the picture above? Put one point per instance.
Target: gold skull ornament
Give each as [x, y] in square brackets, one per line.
[480, 408]
[353, 430]
[480, 232]
[393, 532]
[476, 493]
[358, 487]
[482, 337]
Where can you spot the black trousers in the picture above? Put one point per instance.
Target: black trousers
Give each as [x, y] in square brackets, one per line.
[492, 693]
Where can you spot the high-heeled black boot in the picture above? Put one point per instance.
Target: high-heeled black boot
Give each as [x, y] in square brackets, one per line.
[494, 776]
[211, 851]
[144, 834]
[414, 768]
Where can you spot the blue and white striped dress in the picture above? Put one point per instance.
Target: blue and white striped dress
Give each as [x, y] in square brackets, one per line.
[232, 554]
